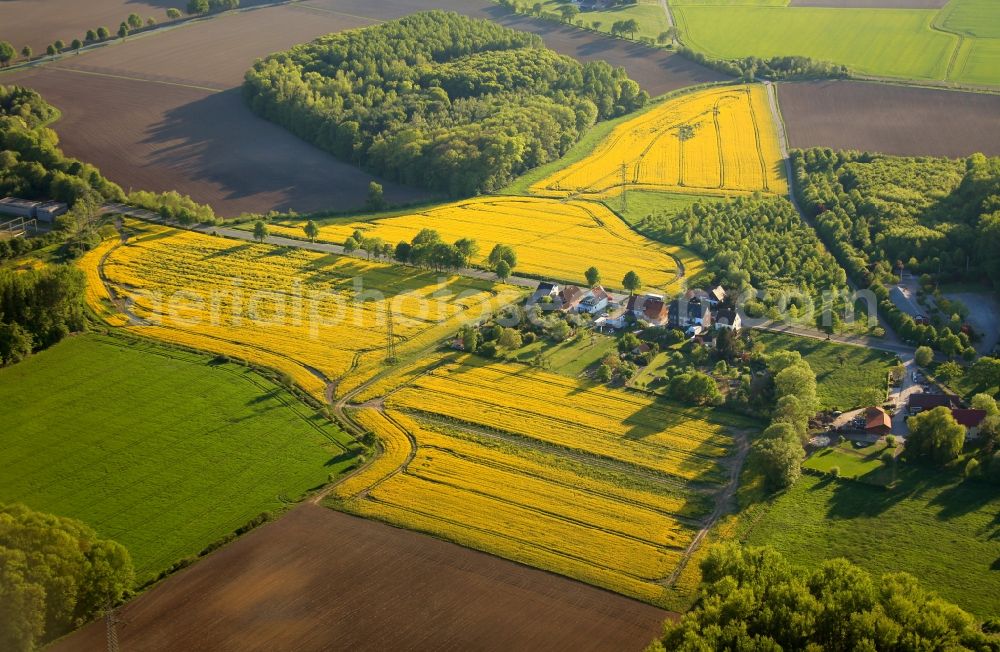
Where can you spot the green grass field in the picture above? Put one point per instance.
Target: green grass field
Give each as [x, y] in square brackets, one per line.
[642, 203]
[162, 450]
[977, 18]
[886, 42]
[863, 464]
[647, 13]
[945, 532]
[843, 372]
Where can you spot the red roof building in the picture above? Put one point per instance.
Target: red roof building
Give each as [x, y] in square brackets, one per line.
[877, 421]
[970, 418]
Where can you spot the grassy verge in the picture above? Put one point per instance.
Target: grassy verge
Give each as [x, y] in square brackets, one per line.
[162, 450]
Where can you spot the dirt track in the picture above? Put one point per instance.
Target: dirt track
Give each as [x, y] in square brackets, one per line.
[321, 580]
[906, 121]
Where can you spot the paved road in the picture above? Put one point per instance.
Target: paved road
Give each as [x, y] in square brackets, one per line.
[326, 247]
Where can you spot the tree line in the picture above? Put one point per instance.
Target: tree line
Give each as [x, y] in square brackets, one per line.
[753, 599]
[38, 308]
[774, 68]
[31, 164]
[132, 23]
[438, 100]
[55, 575]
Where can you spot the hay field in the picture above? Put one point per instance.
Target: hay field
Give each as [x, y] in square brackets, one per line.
[716, 141]
[310, 315]
[596, 484]
[554, 239]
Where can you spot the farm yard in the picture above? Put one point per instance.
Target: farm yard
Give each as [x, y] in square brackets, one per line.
[165, 483]
[315, 570]
[551, 238]
[901, 120]
[615, 505]
[715, 141]
[312, 316]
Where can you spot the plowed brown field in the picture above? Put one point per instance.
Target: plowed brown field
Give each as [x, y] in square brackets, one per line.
[321, 580]
[902, 120]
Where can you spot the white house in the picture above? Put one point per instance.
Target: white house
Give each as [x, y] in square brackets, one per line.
[594, 301]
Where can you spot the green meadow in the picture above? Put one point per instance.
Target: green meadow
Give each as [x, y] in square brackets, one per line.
[162, 450]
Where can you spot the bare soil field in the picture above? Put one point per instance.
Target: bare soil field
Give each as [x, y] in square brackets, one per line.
[321, 580]
[901, 120]
[159, 136]
[657, 71]
[40, 22]
[871, 4]
[214, 53]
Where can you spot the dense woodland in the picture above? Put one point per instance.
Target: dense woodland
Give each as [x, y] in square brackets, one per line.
[753, 599]
[880, 213]
[38, 308]
[438, 100]
[31, 164]
[752, 242]
[55, 575]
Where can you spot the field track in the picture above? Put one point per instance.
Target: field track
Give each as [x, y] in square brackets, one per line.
[901, 120]
[317, 580]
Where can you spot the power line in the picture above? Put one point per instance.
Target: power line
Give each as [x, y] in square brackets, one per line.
[390, 342]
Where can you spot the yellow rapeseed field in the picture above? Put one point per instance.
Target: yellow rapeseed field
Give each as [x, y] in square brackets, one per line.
[554, 239]
[527, 507]
[310, 315]
[630, 428]
[597, 484]
[715, 141]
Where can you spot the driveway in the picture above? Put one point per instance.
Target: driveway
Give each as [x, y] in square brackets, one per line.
[984, 317]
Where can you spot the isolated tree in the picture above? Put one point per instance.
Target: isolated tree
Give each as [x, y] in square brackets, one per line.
[173, 13]
[872, 396]
[949, 371]
[935, 435]
[596, 25]
[134, 21]
[503, 270]
[150, 21]
[569, 12]
[536, 9]
[195, 7]
[76, 44]
[311, 230]
[91, 36]
[122, 30]
[402, 253]
[593, 276]
[103, 33]
[470, 339]
[50, 50]
[59, 45]
[668, 36]
[781, 461]
[502, 253]
[376, 199]
[630, 26]
[468, 248]
[260, 231]
[351, 244]
[985, 402]
[923, 355]
[26, 52]
[510, 339]
[6, 53]
[631, 282]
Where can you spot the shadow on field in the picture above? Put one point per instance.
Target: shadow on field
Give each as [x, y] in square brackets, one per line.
[217, 140]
